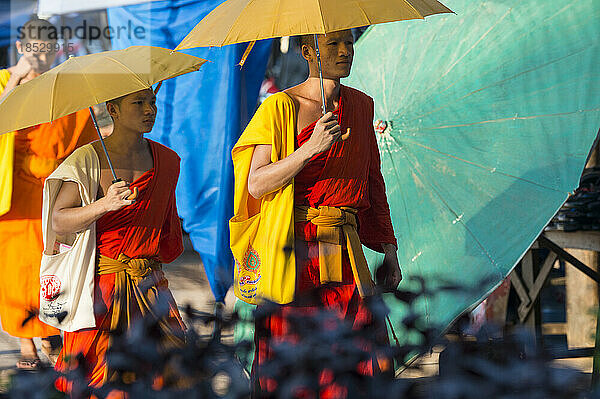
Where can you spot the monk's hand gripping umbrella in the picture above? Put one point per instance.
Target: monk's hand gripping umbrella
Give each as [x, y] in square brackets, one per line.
[81, 82]
[239, 21]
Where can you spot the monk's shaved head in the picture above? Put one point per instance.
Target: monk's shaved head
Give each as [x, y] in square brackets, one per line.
[309, 40]
[37, 43]
[306, 40]
[336, 49]
[135, 111]
[38, 29]
[116, 101]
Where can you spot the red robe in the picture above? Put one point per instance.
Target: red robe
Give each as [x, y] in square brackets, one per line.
[149, 228]
[349, 174]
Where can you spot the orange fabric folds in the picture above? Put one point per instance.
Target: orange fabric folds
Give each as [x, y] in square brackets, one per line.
[36, 152]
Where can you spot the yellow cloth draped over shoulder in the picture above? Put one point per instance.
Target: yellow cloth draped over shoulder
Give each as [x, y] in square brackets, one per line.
[7, 153]
[262, 231]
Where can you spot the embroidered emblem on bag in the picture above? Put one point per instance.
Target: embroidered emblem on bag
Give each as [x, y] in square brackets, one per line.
[249, 273]
[50, 287]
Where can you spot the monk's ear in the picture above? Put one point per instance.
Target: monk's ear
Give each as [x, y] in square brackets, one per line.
[113, 110]
[308, 53]
[19, 46]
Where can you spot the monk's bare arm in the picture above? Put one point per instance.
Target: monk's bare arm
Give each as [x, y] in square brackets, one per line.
[68, 216]
[266, 177]
[17, 73]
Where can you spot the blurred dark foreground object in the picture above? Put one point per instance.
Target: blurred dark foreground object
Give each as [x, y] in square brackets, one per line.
[208, 366]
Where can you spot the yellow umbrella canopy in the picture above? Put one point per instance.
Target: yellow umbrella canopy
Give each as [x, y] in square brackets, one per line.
[237, 21]
[81, 82]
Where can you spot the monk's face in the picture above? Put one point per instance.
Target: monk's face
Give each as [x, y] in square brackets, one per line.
[136, 111]
[337, 52]
[39, 53]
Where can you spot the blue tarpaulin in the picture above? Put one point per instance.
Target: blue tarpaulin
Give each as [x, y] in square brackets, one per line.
[200, 116]
[13, 14]
[4, 23]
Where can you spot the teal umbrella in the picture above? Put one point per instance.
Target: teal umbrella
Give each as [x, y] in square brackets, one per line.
[485, 120]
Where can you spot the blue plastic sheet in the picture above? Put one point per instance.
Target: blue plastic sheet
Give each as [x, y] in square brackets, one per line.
[4, 23]
[13, 14]
[200, 116]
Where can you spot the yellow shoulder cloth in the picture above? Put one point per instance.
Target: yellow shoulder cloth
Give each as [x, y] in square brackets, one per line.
[7, 153]
[262, 231]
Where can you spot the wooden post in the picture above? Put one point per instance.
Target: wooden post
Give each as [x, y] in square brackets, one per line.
[582, 293]
[532, 321]
[582, 297]
[596, 363]
[582, 301]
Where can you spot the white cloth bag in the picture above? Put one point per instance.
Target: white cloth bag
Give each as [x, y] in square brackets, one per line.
[68, 262]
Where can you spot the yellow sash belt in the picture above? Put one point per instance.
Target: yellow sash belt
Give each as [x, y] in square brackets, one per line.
[130, 289]
[334, 225]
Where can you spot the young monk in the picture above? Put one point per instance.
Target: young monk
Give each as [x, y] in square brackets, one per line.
[328, 167]
[133, 237]
[28, 157]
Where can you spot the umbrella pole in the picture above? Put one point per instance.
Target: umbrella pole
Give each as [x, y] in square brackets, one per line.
[112, 169]
[320, 74]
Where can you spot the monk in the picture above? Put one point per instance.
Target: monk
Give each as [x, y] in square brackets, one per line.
[328, 167]
[133, 236]
[28, 157]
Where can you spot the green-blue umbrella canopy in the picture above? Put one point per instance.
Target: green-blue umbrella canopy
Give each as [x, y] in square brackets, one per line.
[490, 115]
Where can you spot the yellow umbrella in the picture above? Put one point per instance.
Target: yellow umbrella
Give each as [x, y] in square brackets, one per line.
[237, 21]
[81, 82]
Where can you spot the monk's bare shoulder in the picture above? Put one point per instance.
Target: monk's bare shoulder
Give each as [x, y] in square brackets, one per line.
[293, 93]
[165, 152]
[79, 157]
[300, 96]
[307, 109]
[97, 146]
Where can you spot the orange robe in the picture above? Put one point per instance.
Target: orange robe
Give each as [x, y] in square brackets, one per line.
[149, 229]
[38, 151]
